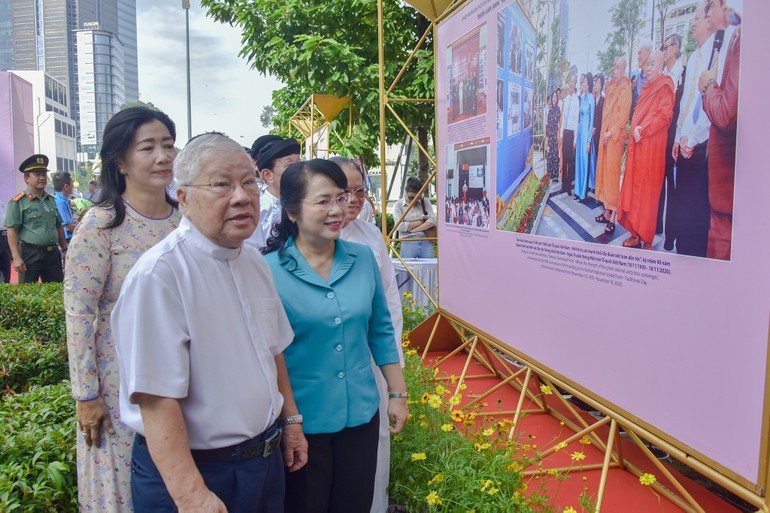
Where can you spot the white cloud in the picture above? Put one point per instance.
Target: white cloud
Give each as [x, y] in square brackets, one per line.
[227, 95]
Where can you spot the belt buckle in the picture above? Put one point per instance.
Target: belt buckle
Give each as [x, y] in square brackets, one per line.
[272, 443]
[50, 248]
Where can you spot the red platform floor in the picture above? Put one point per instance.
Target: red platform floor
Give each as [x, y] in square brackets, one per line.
[623, 491]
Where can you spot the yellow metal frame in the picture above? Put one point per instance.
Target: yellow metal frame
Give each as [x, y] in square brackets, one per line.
[318, 111]
[491, 354]
[484, 348]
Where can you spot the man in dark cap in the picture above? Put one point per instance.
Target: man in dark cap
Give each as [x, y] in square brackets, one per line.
[35, 232]
[272, 154]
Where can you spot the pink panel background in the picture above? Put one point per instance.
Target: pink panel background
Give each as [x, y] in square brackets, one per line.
[686, 354]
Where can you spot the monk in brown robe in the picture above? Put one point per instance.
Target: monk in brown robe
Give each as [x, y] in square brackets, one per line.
[720, 102]
[617, 105]
[646, 156]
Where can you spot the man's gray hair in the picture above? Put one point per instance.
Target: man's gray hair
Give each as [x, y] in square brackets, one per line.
[199, 150]
[645, 44]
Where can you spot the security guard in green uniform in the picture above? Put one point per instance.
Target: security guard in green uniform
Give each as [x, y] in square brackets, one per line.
[35, 232]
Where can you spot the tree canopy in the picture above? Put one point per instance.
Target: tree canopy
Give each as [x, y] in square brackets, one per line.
[330, 47]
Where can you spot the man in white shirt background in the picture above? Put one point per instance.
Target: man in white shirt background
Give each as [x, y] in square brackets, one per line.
[272, 154]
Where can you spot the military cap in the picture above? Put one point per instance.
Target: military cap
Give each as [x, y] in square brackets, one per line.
[37, 162]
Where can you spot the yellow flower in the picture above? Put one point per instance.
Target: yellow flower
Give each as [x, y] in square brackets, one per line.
[647, 479]
[492, 491]
[441, 390]
[515, 467]
[417, 456]
[552, 472]
[486, 484]
[447, 427]
[407, 294]
[411, 352]
[463, 386]
[481, 447]
[434, 401]
[424, 421]
[569, 509]
[585, 441]
[455, 399]
[438, 478]
[453, 378]
[488, 432]
[425, 397]
[433, 499]
[577, 456]
[405, 343]
[457, 415]
[411, 302]
[397, 438]
[546, 389]
[560, 445]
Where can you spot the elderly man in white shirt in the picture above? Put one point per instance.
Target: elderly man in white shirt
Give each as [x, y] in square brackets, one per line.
[271, 154]
[690, 147]
[357, 230]
[569, 122]
[200, 332]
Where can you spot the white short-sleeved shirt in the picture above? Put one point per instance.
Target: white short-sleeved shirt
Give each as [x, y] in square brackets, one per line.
[202, 324]
[269, 215]
[370, 235]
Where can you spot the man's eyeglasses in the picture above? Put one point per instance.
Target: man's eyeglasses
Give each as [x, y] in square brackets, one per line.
[360, 192]
[341, 201]
[225, 187]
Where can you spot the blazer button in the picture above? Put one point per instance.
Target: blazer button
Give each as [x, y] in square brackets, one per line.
[341, 375]
[330, 295]
[337, 320]
[338, 347]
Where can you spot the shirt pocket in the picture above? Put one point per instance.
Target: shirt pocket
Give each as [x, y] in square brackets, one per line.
[267, 325]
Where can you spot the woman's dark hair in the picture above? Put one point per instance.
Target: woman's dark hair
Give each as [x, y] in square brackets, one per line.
[600, 77]
[413, 184]
[555, 92]
[590, 82]
[116, 139]
[294, 182]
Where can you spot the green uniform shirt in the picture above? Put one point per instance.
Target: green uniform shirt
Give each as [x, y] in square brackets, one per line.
[34, 219]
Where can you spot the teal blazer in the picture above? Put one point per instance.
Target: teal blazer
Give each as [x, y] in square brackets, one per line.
[338, 326]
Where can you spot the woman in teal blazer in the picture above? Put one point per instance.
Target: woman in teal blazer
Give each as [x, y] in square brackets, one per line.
[334, 298]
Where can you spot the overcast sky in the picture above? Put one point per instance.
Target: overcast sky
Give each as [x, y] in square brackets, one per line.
[227, 95]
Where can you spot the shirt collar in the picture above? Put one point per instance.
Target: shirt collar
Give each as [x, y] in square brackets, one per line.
[293, 261]
[192, 235]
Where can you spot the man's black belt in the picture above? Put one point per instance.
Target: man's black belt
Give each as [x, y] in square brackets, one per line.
[250, 449]
[39, 247]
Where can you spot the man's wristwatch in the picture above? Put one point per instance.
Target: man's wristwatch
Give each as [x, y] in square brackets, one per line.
[291, 419]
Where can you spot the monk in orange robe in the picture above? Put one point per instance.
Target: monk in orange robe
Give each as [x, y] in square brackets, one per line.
[617, 105]
[646, 156]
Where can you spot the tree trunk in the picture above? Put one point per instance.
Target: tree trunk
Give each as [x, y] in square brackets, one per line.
[423, 168]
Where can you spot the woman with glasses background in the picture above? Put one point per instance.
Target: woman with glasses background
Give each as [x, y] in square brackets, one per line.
[416, 221]
[357, 230]
[133, 212]
[335, 300]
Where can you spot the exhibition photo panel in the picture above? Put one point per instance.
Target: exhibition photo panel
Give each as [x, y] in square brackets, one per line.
[612, 169]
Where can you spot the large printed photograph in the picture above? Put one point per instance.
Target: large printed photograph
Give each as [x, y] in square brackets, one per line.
[639, 110]
[466, 66]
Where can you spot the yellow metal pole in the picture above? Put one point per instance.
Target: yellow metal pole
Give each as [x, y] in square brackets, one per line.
[383, 177]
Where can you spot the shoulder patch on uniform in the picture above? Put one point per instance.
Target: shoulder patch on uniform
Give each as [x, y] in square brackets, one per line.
[18, 197]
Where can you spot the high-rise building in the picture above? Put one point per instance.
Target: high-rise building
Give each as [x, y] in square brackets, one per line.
[54, 129]
[101, 84]
[44, 35]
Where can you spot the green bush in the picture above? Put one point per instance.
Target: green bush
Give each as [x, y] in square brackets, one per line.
[26, 361]
[37, 451]
[390, 222]
[36, 309]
